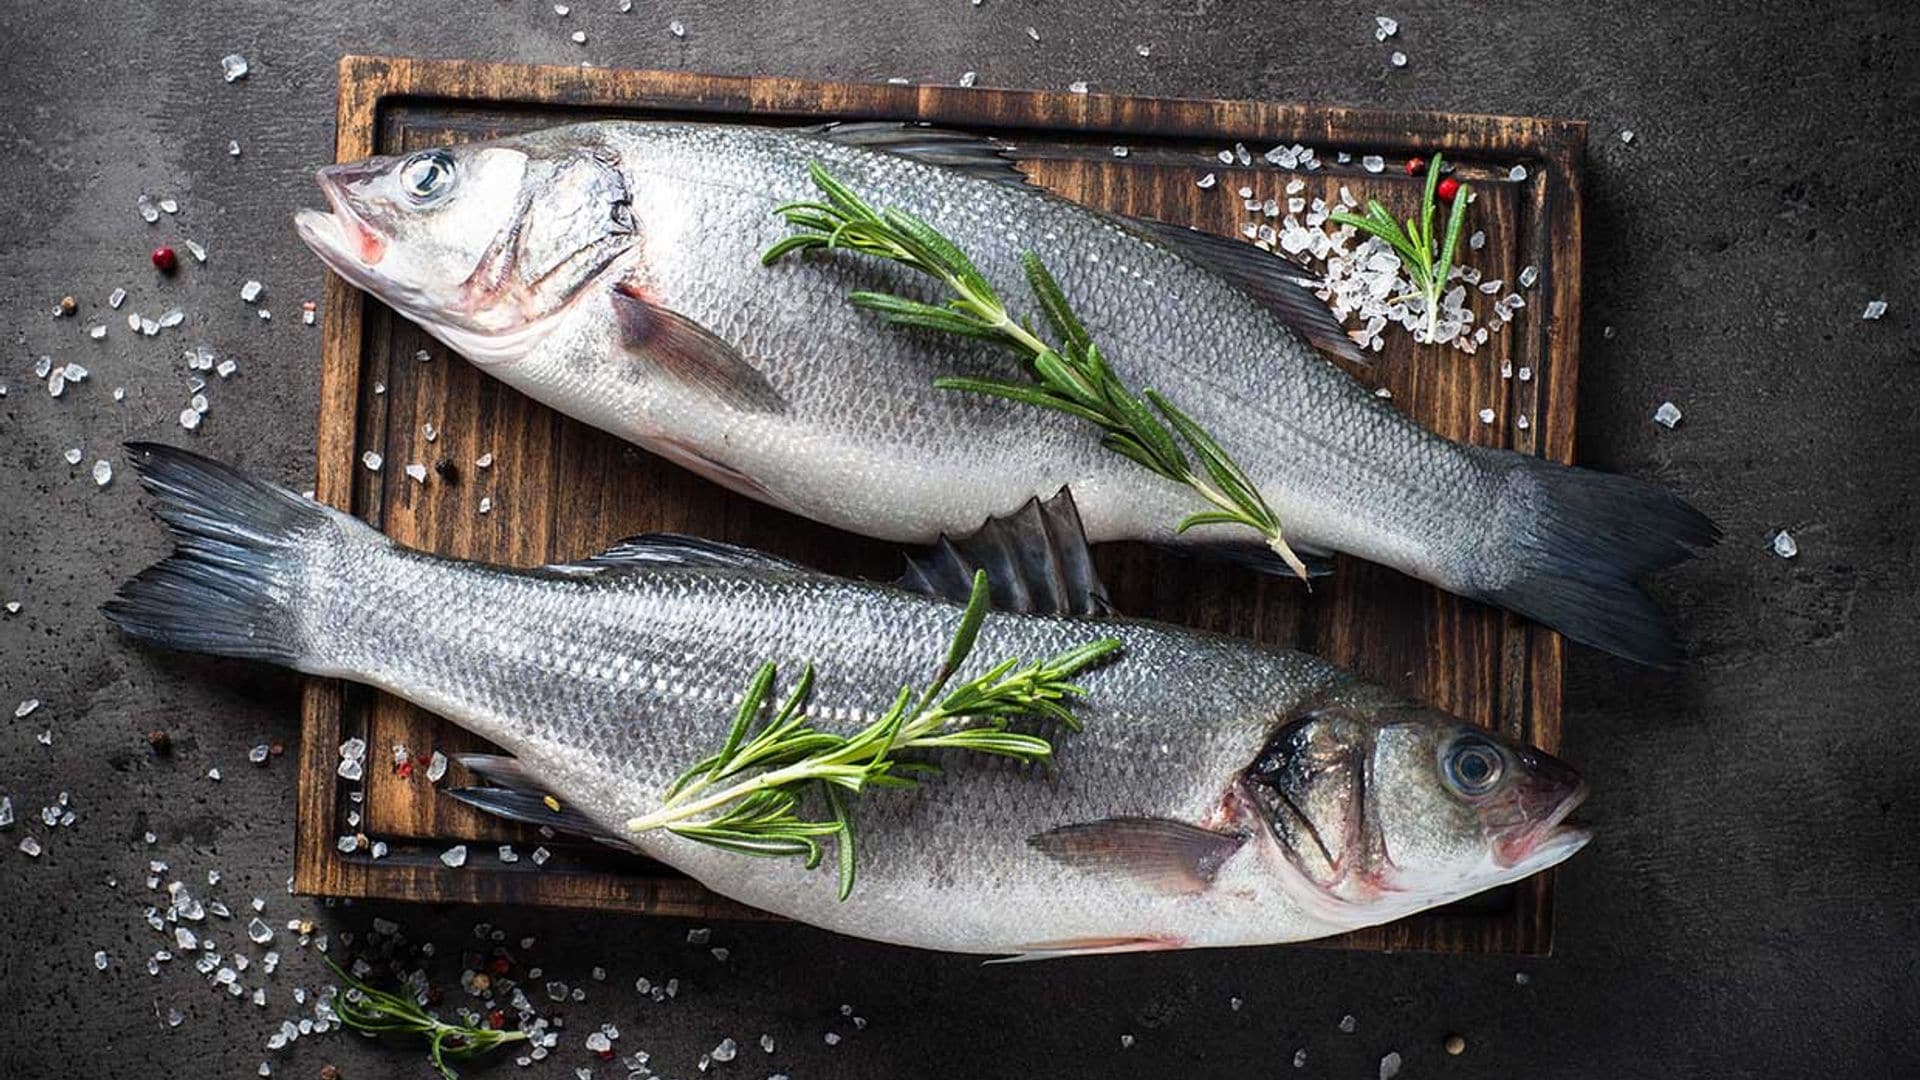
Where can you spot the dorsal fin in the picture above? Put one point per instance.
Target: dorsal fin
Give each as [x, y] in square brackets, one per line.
[975, 155]
[1036, 561]
[673, 549]
[1279, 283]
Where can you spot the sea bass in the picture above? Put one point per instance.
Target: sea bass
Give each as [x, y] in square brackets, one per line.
[1218, 793]
[613, 271]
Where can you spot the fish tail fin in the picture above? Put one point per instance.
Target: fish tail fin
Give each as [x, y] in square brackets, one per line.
[1575, 546]
[235, 584]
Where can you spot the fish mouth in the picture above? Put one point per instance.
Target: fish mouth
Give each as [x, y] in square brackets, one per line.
[344, 241]
[1548, 841]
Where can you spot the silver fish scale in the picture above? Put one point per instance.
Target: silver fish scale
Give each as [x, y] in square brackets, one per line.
[869, 444]
[606, 684]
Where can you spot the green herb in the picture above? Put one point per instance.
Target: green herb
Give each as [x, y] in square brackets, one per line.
[1071, 377]
[746, 797]
[365, 1009]
[1426, 266]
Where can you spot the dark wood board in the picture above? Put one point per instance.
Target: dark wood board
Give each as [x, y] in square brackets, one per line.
[560, 490]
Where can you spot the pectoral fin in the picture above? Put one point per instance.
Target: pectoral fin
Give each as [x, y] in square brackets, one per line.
[1158, 853]
[1088, 946]
[690, 353]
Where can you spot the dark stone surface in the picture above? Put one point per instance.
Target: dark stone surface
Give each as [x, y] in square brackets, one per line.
[1749, 907]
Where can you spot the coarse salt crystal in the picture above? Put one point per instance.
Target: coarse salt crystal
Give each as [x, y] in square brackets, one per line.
[579, 37]
[1033, 34]
[486, 504]
[1373, 163]
[1384, 27]
[26, 708]
[417, 473]
[1486, 416]
[1667, 415]
[455, 856]
[234, 67]
[1528, 276]
[1398, 59]
[1626, 135]
[116, 298]
[251, 291]
[372, 460]
[968, 78]
[1784, 545]
[1875, 309]
[677, 28]
[103, 472]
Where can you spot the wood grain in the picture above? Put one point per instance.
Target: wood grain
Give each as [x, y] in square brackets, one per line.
[560, 490]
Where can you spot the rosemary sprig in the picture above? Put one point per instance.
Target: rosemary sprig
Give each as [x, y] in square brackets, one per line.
[746, 797]
[1426, 267]
[1071, 377]
[365, 1009]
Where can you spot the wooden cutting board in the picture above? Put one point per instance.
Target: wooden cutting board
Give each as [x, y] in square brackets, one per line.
[559, 490]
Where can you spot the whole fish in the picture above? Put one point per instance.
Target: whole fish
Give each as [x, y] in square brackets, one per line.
[613, 271]
[1219, 793]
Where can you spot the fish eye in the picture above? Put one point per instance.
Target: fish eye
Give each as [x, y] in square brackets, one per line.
[427, 174]
[1473, 766]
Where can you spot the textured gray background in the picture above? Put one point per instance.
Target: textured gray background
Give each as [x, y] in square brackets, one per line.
[1749, 907]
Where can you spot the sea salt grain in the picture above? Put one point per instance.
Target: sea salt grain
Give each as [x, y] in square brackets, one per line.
[1486, 416]
[103, 472]
[1390, 1066]
[372, 460]
[1373, 163]
[1784, 545]
[1206, 181]
[1626, 136]
[251, 291]
[1398, 59]
[1077, 86]
[677, 29]
[1667, 415]
[968, 78]
[233, 67]
[30, 847]
[1384, 27]
[1875, 309]
[417, 473]
[26, 708]
[455, 856]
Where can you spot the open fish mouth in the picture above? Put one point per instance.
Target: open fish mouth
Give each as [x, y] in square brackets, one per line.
[1548, 841]
[342, 240]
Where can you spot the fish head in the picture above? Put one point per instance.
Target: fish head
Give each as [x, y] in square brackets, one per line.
[482, 244]
[1395, 808]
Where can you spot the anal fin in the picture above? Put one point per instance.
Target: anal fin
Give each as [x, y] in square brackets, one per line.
[532, 808]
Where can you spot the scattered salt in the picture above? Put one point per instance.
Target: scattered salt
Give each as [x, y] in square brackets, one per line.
[1384, 27]
[251, 291]
[417, 472]
[372, 460]
[1875, 309]
[26, 708]
[234, 67]
[1373, 163]
[116, 298]
[1348, 1024]
[677, 29]
[968, 78]
[1077, 86]
[1784, 545]
[1667, 415]
[30, 847]
[103, 472]
[1390, 1066]
[1398, 59]
[455, 856]
[1126, 1041]
[1626, 135]
[1486, 416]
